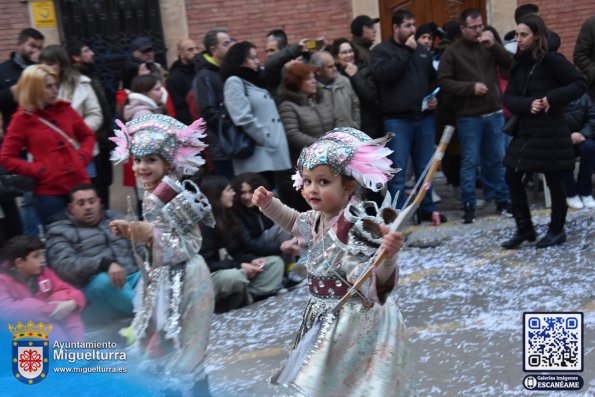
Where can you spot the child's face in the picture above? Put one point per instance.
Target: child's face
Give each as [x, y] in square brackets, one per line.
[246, 195]
[150, 169]
[32, 264]
[325, 191]
[156, 93]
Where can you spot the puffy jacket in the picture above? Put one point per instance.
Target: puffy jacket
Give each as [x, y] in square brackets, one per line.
[580, 116]
[584, 51]
[140, 105]
[57, 166]
[78, 252]
[542, 142]
[304, 119]
[31, 297]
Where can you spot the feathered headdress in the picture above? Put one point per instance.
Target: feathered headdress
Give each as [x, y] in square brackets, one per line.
[178, 144]
[349, 152]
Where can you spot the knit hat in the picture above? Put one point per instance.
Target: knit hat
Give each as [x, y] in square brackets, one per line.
[430, 28]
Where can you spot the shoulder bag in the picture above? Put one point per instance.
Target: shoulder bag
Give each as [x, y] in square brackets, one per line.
[512, 124]
[58, 130]
[234, 142]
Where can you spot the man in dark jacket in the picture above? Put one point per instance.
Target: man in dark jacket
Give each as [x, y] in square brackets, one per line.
[278, 54]
[400, 65]
[208, 91]
[363, 35]
[140, 60]
[29, 44]
[467, 71]
[584, 52]
[179, 81]
[83, 251]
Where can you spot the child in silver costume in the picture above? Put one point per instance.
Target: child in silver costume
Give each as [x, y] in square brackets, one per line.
[175, 302]
[361, 350]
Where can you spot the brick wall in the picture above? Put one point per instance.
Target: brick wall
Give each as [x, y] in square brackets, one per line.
[252, 19]
[565, 18]
[13, 18]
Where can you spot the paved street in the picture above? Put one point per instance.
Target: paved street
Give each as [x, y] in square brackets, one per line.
[462, 298]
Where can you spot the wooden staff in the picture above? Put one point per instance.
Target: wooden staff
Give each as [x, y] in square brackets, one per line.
[404, 214]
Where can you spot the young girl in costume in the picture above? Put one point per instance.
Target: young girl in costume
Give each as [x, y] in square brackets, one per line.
[175, 304]
[360, 351]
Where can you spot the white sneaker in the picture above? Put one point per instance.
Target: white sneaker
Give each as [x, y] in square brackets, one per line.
[588, 201]
[574, 202]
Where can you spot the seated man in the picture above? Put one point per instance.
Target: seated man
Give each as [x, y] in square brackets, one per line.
[82, 250]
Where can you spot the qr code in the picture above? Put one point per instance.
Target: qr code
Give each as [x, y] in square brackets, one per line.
[553, 342]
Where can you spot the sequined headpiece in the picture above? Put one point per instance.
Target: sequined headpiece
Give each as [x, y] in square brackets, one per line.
[349, 152]
[177, 143]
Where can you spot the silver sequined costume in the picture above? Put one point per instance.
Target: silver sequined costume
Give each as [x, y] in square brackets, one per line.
[361, 351]
[175, 304]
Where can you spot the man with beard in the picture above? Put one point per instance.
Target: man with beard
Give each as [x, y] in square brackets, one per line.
[83, 251]
[29, 44]
[83, 59]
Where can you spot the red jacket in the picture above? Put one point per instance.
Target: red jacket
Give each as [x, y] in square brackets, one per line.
[18, 303]
[56, 165]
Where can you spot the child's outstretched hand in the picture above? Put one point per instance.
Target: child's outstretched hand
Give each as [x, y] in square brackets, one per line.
[262, 197]
[392, 241]
[140, 231]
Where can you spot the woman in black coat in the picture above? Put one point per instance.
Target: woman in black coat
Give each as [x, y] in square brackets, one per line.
[542, 141]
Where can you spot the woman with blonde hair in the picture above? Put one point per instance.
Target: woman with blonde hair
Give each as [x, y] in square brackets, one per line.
[56, 137]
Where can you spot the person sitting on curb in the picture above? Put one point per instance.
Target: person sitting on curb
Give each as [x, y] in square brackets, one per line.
[82, 250]
[29, 290]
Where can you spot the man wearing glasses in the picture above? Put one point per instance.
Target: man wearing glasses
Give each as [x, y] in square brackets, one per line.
[468, 72]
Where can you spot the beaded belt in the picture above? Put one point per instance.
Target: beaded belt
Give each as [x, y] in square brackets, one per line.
[327, 287]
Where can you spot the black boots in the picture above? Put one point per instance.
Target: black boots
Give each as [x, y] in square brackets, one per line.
[555, 234]
[525, 230]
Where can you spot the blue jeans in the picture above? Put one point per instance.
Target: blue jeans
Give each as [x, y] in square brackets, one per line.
[583, 185]
[482, 144]
[28, 214]
[413, 137]
[47, 205]
[105, 302]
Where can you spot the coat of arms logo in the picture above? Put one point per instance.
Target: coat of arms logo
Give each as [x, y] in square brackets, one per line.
[30, 351]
